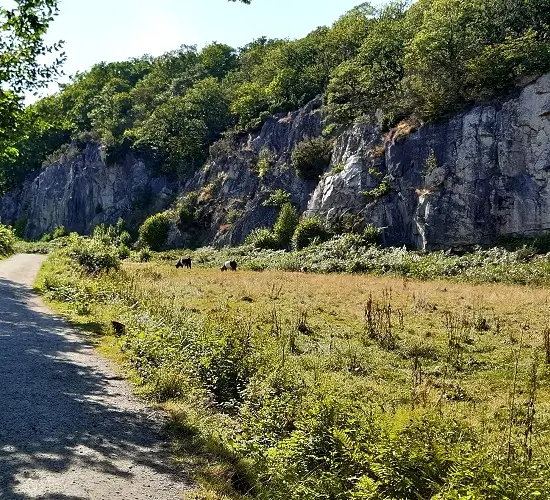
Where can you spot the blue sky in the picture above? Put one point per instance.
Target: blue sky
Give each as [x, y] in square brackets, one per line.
[116, 30]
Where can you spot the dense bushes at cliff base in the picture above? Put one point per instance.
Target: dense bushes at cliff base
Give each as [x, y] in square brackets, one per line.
[262, 237]
[281, 235]
[308, 231]
[7, 240]
[154, 231]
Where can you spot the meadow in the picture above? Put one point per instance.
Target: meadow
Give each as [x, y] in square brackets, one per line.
[297, 385]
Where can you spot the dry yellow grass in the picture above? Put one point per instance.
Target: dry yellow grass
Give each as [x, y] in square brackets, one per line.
[497, 322]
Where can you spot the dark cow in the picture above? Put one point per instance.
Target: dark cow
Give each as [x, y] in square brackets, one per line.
[118, 327]
[184, 262]
[229, 264]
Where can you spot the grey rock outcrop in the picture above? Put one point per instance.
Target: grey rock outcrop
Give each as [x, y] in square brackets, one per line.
[80, 191]
[490, 178]
[231, 189]
[487, 178]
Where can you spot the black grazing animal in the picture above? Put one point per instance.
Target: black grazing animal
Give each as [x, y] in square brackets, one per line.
[118, 327]
[229, 264]
[184, 262]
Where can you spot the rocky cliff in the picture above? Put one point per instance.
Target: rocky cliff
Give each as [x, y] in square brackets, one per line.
[80, 191]
[243, 172]
[489, 178]
[471, 179]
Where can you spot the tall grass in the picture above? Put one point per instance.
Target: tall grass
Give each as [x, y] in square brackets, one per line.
[302, 390]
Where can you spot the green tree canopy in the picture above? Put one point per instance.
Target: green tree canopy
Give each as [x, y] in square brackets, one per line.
[21, 46]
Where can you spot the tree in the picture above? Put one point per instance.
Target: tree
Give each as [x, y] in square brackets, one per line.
[21, 46]
[436, 56]
[217, 59]
[285, 225]
[175, 140]
[171, 75]
[371, 80]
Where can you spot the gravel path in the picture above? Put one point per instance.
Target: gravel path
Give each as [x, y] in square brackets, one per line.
[70, 429]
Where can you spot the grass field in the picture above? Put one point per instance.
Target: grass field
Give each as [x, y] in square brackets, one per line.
[257, 366]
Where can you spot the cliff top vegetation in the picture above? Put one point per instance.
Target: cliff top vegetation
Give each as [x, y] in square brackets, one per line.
[427, 59]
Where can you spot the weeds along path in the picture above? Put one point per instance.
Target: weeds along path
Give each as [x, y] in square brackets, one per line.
[69, 427]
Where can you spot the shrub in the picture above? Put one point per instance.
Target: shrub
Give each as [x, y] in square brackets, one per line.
[59, 232]
[277, 198]
[311, 157]
[7, 240]
[144, 254]
[112, 235]
[371, 235]
[154, 231]
[94, 255]
[308, 230]
[266, 160]
[233, 215]
[186, 209]
[123, 251]
[337, 168]
[262, 237]
[383, 188]
[285, 225]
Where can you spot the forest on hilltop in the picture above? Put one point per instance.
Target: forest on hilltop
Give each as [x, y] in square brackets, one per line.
[426, 59]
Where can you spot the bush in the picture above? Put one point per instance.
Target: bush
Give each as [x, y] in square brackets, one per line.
[266, 160]
[59, 232]
[262, 237]
[285, 225]
[371, 235]
[186, 209]
[7, 240]
[144, 254]
[112, 235]
[311, 157]
[94, 255]
[123, 251]
[308, 231]
[154, 231]
[277, 198]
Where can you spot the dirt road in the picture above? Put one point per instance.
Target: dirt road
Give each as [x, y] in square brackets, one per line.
[70, 429]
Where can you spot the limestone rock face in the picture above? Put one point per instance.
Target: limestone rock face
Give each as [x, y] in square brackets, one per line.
[490, 178]
[235, 204]
[80, 191]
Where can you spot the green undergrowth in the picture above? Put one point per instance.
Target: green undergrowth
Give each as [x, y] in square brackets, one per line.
[350, 253]
[7, 241]
[285, 385]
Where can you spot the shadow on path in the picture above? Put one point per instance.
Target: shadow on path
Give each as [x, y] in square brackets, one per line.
[65, 421]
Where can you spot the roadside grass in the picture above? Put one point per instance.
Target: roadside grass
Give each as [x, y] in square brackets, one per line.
[41, 247]
[243, 361]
